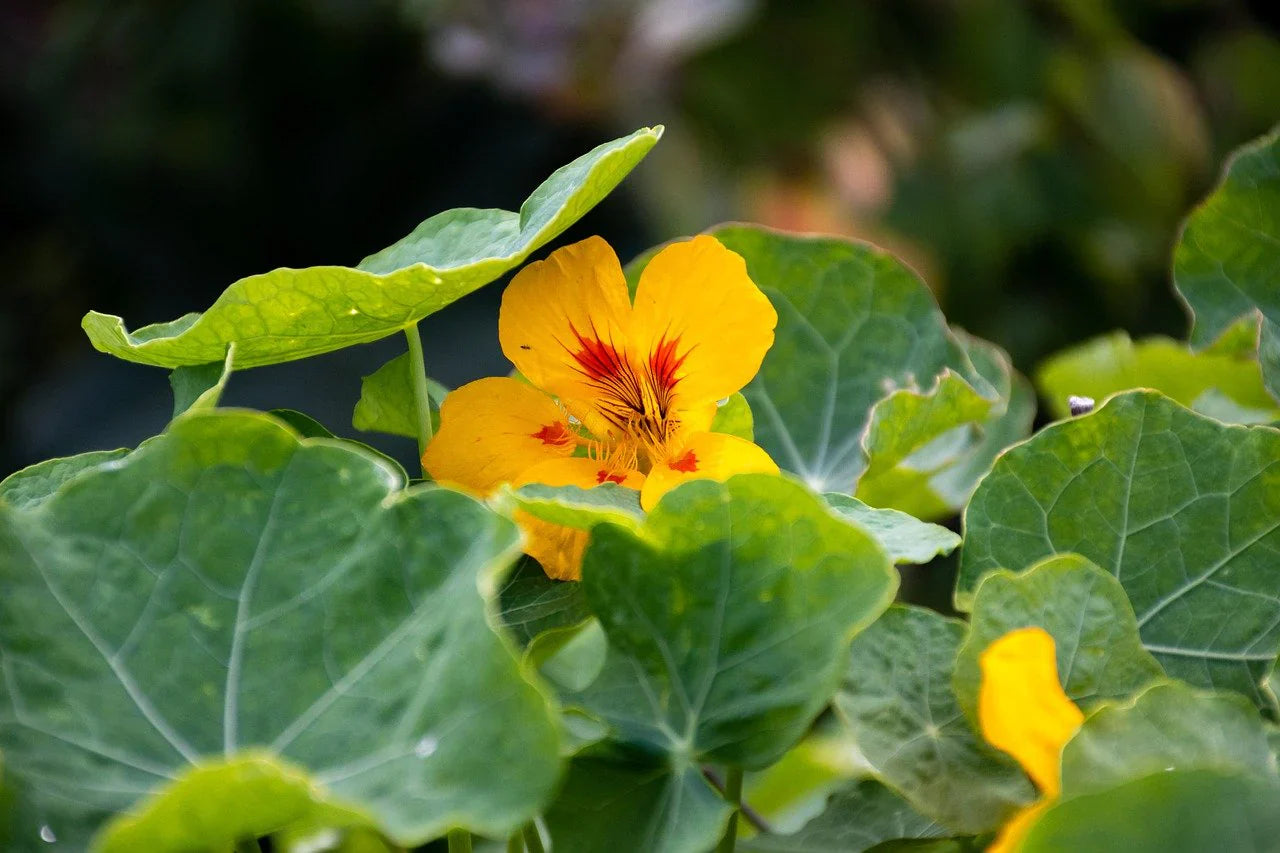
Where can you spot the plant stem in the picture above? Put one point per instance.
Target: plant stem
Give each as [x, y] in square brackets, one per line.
[248, 845]
[459, 841]
[532, 840]
[732, 793]
[418, 376]
[515, 844]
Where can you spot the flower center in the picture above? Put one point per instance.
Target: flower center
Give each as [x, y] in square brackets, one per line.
[634, 398]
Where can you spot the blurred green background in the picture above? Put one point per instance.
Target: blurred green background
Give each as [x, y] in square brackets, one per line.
[1031, 159]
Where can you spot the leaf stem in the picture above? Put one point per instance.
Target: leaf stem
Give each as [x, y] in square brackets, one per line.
[459, 841]
[732, 793]
[532, 840]
[515, 844]
[249, 845]
[421, 398]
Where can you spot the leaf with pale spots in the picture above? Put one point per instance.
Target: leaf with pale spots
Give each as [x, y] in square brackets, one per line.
[230, 588]
[287, 314]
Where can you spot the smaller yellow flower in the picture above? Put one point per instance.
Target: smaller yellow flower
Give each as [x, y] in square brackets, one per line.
[1024, 711]
[620, 391]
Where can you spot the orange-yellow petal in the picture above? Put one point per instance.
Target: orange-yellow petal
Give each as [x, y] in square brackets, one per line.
[567, 318]
[559, 549]
[1017, 827]
[492, 430]
[700, 323]
[1021, 705]
[705, 455]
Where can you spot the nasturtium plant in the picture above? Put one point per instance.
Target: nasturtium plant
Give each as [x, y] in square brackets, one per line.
[645, 597]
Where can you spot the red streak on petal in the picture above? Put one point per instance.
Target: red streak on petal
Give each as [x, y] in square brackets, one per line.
[663, 364]
[603, 474]
[688, 463]
[597, 358]
[553, 433]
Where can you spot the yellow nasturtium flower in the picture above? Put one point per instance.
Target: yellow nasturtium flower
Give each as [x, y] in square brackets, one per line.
[619, 392]
[1023, 711]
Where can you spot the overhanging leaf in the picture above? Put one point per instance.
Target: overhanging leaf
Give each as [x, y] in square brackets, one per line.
[386, 400]
[728, 616]
[905, 538]
[289, 314]
[1083, 608]
[1169, 726]
[854, 324]
[897, 702]
[230, 588]
[1105, 365]
[1182, 509]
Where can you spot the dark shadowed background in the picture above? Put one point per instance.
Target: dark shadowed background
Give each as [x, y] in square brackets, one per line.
[1031, 159]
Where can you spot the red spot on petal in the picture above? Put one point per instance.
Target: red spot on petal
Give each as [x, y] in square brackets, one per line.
[603, 476]
[554, 433]
[688, 463]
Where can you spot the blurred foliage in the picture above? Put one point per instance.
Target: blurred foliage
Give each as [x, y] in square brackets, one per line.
[1031, 159]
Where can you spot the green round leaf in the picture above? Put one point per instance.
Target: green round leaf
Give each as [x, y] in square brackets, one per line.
[728, 616]
[386, 400]
[854, 324]
[1224, 266]
[912, 437]
[288, 314]
[901, 712]
[614, 805]
[230, 588]
[32, 485]
[1182, 509]
[1175, 812]
[1169, 726]
[905, 539]
[1084, 609]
